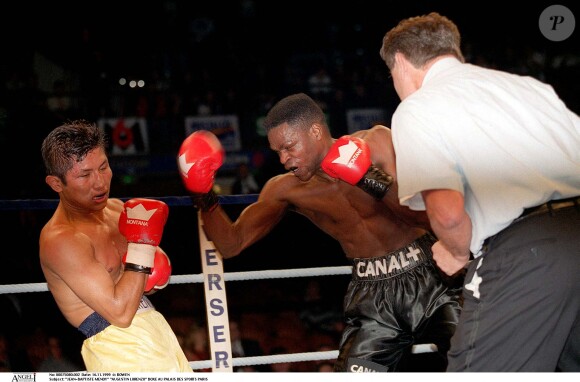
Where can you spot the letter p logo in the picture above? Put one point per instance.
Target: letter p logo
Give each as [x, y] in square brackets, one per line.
[557, 23]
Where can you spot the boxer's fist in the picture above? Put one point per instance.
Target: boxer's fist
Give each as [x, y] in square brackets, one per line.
[200, 156]
[160, 273]
[349, 159]
[142, 222]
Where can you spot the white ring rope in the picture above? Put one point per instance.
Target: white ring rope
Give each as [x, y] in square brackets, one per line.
[269, 359]
[21, 288]
[198, 278]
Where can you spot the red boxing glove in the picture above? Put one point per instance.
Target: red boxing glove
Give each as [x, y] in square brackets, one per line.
[200, 156]
[348, 159]
[142, 222]
[160, 274]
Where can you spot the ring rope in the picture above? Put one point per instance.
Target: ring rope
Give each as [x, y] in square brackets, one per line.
[297, 357]
[177, 201]
[198, 278]
[270, 359]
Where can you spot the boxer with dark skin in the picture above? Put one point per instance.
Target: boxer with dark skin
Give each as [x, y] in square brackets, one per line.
[397, 297]
[82, 248]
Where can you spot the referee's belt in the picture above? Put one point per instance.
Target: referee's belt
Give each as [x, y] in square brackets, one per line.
[549, 207]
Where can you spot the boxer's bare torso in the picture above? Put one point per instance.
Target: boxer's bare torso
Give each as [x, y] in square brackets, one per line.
[364, 227]
[75, 244]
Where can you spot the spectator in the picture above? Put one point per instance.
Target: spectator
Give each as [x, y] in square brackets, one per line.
[245, 347]
[325, 367]
[319, 313]
[245, 182]
[59, 101]
[196, 344]
[320, 84]
[56, 360]
[4, 357]
[11, 357]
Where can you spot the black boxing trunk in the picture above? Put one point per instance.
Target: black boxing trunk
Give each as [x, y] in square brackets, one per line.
[392, 303]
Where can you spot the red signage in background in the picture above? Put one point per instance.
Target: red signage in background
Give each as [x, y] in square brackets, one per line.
[126, 136]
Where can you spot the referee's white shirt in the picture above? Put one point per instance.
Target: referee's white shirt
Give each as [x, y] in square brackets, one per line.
[507, 142]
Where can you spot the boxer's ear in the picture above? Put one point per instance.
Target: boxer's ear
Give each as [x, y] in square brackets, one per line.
[54, 182]
[316, 131]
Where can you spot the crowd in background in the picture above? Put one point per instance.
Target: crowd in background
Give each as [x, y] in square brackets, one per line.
[207, 61]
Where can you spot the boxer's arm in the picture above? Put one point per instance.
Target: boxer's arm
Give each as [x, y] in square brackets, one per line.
[200, 156]
[380, 143]
[68, 261]
[254, 222]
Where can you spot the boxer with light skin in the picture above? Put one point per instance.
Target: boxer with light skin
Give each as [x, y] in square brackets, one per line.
[100, 256]
[347, 187]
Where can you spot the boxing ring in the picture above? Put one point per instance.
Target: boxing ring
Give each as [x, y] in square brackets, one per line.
[214, 279]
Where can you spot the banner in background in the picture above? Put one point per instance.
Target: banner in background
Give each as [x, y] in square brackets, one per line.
[362, 119]
[225, 127]
[126, 136]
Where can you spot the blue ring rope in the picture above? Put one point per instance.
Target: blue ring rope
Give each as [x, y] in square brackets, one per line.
[178, 201]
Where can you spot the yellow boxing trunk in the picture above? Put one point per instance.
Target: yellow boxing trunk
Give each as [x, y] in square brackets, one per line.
[148, 345]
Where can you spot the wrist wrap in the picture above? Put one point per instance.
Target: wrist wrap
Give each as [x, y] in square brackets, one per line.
[137, 268]
[375, 182]
[205, 202]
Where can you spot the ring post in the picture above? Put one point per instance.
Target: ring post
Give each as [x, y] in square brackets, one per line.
[216, 303]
